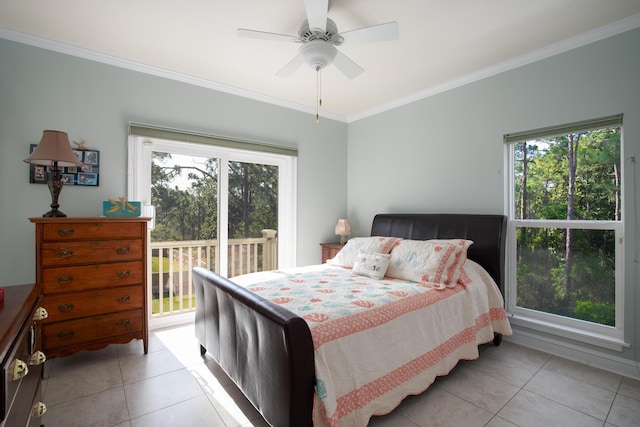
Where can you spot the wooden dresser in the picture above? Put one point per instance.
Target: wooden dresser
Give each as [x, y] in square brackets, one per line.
[21, 358]
[93, 272]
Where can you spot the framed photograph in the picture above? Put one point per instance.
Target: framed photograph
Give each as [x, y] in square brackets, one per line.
[91, 157]
[39, 173]
[68, 178]
[87, 175]
[79, 154]
[87, 178]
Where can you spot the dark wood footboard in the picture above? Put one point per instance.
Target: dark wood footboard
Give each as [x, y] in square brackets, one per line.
[265, 349]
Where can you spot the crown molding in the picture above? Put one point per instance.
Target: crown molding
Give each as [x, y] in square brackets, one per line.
[91, 55]
[595, 35]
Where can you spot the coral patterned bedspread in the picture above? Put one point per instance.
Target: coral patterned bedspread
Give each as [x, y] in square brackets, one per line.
[378, 341]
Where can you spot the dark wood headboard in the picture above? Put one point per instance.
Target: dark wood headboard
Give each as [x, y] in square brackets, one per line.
[488, 233]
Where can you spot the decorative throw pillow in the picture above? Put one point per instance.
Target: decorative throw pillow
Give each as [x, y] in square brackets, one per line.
[371, 265]
[375, 244]
[429, 261]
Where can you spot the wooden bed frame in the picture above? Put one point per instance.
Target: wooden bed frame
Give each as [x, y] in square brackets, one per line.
[268, 351]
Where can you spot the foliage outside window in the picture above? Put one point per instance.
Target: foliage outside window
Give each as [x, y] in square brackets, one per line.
[185, 193]
[567, 223]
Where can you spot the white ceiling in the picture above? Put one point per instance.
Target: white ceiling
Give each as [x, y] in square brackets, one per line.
[443, 43]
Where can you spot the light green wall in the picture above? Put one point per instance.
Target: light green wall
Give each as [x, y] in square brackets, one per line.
[445, 153]
[440, 154]
[41, 89]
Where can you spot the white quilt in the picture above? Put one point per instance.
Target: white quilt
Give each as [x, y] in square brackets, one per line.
[378, 341]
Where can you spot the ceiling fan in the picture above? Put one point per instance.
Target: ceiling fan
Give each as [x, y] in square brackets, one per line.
[319, 37]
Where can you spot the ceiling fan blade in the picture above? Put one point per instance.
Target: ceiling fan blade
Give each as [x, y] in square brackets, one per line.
[317, 13]
[253, 34]
[347, 66]
[291, 67]
[375, 33]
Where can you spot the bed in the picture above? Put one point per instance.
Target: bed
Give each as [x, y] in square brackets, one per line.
[269, 351]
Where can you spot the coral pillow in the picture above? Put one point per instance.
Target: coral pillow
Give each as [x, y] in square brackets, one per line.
[429, 261]
[371, 265]
[376, 244]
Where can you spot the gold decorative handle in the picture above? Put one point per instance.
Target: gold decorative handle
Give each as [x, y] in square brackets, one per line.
[123, 274]
[123, 250]
[124, 299]
[126, 323]
[37, 358]
[39, 409]
[63, 280]
[40, 314]
[66, 232]
[64, 335]
[64, 253]
[65, 308]
[18, 369]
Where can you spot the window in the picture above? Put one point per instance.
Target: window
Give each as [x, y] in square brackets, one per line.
[566, 229]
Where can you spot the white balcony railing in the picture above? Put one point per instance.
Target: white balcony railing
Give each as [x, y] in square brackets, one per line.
[171, 284]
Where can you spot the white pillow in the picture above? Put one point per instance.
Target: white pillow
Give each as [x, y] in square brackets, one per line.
[376, 244]
[371, 265]
[429, 261]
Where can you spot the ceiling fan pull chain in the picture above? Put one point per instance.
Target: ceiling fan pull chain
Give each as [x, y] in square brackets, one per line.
[318, 93]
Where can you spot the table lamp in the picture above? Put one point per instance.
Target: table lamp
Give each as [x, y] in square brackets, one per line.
[54, 151]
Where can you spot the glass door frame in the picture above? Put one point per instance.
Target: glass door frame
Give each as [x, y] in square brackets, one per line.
[139, 189]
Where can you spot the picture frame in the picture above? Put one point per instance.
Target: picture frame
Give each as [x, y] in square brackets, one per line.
[87, 175]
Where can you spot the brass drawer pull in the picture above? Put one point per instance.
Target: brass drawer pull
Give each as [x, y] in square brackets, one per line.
[66, 232]
[65, 308]
[39, 409]
[37, 358]
[65, 279]
[123, 274]
[40, 314]
[125, 324]
[64, 335]
[124, 299]
[123, 250]
[18, 370]
[64, 253]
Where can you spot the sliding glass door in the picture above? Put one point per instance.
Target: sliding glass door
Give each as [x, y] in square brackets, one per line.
[227, 210]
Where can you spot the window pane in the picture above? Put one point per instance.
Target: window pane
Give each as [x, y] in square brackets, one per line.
[253, 217]
[575, 280]
[571, 176]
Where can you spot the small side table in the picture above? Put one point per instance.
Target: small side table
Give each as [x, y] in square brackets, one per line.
[329, 250]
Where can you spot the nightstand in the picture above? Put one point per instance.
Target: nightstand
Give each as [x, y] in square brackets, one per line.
[329, 250]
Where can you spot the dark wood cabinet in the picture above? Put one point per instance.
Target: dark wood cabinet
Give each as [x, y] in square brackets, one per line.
[329, 250]
[21, 357]
[93, 272]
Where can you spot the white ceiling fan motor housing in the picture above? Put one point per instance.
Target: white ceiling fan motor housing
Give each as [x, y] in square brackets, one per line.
[318, 53]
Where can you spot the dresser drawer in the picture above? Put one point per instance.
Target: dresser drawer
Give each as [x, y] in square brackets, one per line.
[83, 277]
[93, 252]
[91, 231]
[24, 385]
[29, 393]
[88, 329]
[90, 303]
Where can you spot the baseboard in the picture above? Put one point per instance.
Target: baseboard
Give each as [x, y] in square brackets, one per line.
[172, 320]
[607, 362]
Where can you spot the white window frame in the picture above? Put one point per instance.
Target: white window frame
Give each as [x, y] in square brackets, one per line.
[610, 337]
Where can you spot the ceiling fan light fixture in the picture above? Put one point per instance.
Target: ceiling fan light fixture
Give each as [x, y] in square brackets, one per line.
[318, 53]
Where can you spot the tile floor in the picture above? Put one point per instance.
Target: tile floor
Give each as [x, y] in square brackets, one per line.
[174, 386]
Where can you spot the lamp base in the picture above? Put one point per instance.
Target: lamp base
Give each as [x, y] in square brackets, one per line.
[54, 213]
[55, 187]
